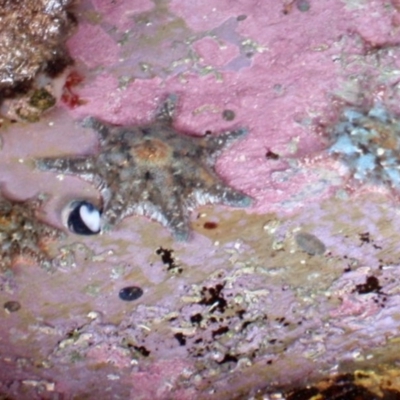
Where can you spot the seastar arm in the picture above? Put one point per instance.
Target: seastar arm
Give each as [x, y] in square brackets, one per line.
[5, 261]
[102, 128]
[39, 256]
[215, 144]
[223, 194]
[233, 197]
[177, 220]
[208, 188]
[84, 167]
[162, 206]
[170, 214]
[5, 206]
[165, 112]
[114, 210]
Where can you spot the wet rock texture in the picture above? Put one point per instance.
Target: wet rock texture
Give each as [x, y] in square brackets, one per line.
[303, 284]
[22, 234]
[32, 36]
[362, 384]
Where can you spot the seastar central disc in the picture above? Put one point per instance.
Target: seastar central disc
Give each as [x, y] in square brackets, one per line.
[151, 151]
[153, 170]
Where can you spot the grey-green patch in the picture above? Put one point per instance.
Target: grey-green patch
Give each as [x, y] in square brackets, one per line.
[42, 99]
[310, 243]
[31, 109]
[228, 115]
[303, 5]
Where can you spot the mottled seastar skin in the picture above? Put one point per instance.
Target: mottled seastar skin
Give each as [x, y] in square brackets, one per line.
[22, 234]
[153, 170]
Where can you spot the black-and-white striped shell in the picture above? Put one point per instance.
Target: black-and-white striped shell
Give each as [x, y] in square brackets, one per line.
[82, 218]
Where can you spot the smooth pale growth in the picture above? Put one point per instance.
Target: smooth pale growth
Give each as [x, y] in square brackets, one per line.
[366, 165]
[363, 136]
[379, 112]
[343, 145]
[369, 144]
[352, 115]
[394, 176]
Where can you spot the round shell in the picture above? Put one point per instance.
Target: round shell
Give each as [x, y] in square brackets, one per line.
[82, 218]
[130, 293]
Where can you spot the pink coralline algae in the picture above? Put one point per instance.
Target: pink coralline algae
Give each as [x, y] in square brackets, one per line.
[153, 170]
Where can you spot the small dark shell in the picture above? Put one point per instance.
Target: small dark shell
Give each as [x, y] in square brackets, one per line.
[310, 243]
[303, 5]
[72, 217]
[228, 115]
[11, 306]
[130, 293]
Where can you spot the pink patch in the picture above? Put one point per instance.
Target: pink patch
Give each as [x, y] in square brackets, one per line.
[108, 353]
[214, 53]
[120, 13]
[352, 307]
[158, 380]
[92, 46]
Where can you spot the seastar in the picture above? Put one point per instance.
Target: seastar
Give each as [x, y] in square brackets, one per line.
[22, 234]
[153, 170]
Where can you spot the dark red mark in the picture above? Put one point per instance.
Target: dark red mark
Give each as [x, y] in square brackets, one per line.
[210, 225]
[68, 96]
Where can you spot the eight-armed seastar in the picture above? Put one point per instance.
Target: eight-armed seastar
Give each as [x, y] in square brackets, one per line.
[153, 170]
[22, 234]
